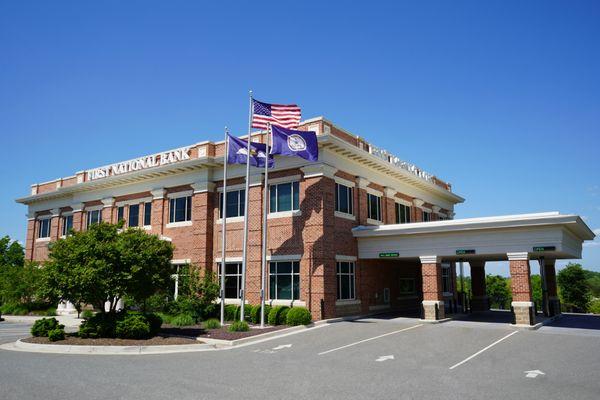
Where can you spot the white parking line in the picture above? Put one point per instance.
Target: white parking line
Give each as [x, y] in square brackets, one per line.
[369, 339]
[482, 350]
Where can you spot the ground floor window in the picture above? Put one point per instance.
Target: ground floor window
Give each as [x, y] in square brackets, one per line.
[346, 284]
[407, 286]
[402, 214]
[233, 280]
[284, 280]
[426, 216]
[446, 278]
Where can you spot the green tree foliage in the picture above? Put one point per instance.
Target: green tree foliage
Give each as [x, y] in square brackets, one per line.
[536, 290]
[498, 291]
[104, 265]
[593, 281]
[573, 288]
[18, 279]
[11, 253]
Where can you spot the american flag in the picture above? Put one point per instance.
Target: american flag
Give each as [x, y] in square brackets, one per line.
[286, 116]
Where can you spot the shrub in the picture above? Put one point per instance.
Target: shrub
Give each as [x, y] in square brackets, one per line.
[298, 316]
[212, 323]
[14, 309]
[255, 315]
[56, 334]
[231, 310]
[133, 326]
[154, 321]
[166, 318]
[189, 305]
[249, 311]
[282, 318]
[183, 320]
[41, 327]
[156, 302]
[87, 314]
[100, 325]
[51, 312]
[275, 315]
[239, 326]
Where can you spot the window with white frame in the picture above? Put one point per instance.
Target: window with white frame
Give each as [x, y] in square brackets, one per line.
[44, 229]
[284, 280]
[148, 213]
[134, 215]
[374, 207]
[94, 217]
[407, 286]
[180, 209]
[67, 224]
[446, 278]
[284, 197]
[426, 216]
[346, 283]
[120, 213]
[233, 279]
[402, 214]
[235, 203]
[344, 199]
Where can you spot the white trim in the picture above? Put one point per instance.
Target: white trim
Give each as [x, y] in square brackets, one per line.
[522, 304]
[436, 209]
[289, 303]
[165, 238]
[344, 215]
[345, 182]
[180, 261]
[351, 302]
[430, 259]
[403, 202]
[318, 170]
[232, 188]
[108, 202]
[179, 224]
[374, 192]
[158, 194]
[428, 210]
[342, 258]
[284, 257]
[418, 202]
[43, 239]
[389, 192]
[133, 202]
[146, 227]
[45, 216]
[183, 193]
[521, 256]
[284, 214]
[433, 302]
[374, 222]
[284, 179]
[94, 208]
[230, 259]
[362, 183]
[231, 220]
[66, 213]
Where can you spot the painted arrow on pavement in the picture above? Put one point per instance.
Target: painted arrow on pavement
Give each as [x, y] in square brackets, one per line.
[282, 346]
[533, 373]
[385, 358]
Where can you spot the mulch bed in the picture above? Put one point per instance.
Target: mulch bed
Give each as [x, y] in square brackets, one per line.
[221, 333]
[76, 341]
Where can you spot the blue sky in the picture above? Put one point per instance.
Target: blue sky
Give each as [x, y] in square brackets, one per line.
[500, 98]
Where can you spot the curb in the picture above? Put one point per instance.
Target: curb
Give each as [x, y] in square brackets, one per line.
[259, 337]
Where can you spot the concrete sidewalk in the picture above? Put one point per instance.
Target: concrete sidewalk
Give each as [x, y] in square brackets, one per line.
[67, 320]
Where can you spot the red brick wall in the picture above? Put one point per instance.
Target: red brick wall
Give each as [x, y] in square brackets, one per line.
[432, 281]
[520, 281]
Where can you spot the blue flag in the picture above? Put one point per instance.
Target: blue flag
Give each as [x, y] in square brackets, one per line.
[288, 142]
[238, 150]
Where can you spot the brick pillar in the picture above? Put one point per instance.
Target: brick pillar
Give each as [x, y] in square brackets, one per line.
[78, 216]
[107, 209]
[550, 275]
[389, 206]
[202, 217]
[479, 301]
[417, 212]
[254, 262]
[520, 281]
[361, 204]
[158, 211]
[431, 271]
[55, 224]
[30, 238]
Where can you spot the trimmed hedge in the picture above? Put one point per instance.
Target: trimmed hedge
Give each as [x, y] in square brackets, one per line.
[183, 320]
[275, 315]
[298, 316]
[256, 314]
[56, 334]
[239, 326]
[212, 323]
[134, 326]
[41, 327]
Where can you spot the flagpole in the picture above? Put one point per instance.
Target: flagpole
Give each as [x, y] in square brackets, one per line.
[264, 233]
[224, 226]
[246, 216]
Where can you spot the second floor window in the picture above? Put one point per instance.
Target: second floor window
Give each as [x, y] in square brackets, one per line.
[44, 231]
[235, 203]
[147, 214]
[402, 214]
[284, 197]
[94, 217]
[180, 209]
[67, 224]
[343, 199]
[134, 215]
[374, 207]
[121, 213]
[426, 216]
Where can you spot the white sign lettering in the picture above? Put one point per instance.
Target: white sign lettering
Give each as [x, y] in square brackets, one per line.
[392, 159]
[155, 160]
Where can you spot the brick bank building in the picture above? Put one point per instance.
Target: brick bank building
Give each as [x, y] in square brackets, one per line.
[360, 231]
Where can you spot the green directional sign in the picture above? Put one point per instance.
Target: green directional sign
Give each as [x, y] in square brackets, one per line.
[462, 252]
[544, 248]
[388, 255]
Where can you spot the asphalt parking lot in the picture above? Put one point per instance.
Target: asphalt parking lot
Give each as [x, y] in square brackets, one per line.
[397, 358]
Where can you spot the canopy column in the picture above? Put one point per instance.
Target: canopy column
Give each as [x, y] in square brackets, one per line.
[433, 300]
[520, 282]
[549, 275]
[479, 301]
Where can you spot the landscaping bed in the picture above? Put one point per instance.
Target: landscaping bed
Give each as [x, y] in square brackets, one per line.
[222, 333]
[77, 341]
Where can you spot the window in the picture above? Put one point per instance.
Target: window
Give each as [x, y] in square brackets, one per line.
[402, 214]
[121, 214]
[345, 281]
[284, 280]
[446, 279]
[374, 207]
[407, 286]
[343, 199]
[426, 216]
[94, 217]
[147, 214]
[134, 215]
[235, 203]
[67, 224]
[284, 197]
[180, 209]
[44, 231]
[233, 279]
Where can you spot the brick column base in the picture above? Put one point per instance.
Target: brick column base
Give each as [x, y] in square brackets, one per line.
[523, 311]
[433, 309]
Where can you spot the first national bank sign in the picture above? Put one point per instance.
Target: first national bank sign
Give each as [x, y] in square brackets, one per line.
[138, 164]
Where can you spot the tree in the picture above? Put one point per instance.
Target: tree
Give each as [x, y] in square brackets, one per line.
[11, 253]
[18, 279]
[574, 291]
[536, 290]
[498, 291]
[102, 265]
